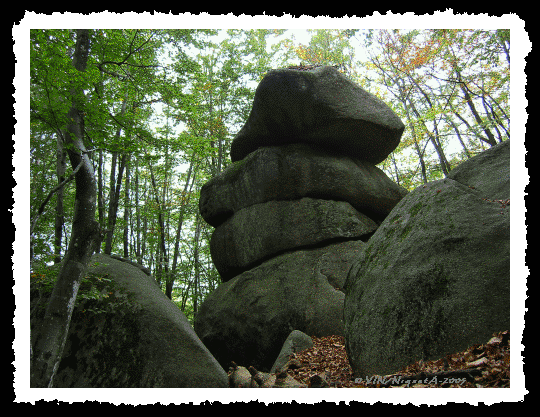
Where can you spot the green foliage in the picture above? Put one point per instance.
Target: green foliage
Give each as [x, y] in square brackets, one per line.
[93, 291]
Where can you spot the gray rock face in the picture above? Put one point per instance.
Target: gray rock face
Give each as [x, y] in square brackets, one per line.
[320, 106]
[145, 341]
[262, 230]
[292, 172]
[488, 172]
[295, 343]
[135, 264]
[248, 318]
[435, 277]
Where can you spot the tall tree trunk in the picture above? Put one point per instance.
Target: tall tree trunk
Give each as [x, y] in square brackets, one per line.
[170, 282]
[196, 263]
[127, 212]
[110, 212]
[458, 134]
[468, 99]
[113, 204]
[101, 202]
[138, 251]
[49, 344]
[115, 190]
[59, 216]
[164, 260]
[145, 233]
[419, 152]
[445, 166]
[470, 103]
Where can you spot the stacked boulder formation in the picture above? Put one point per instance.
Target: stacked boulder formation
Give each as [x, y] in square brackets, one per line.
[293, 211]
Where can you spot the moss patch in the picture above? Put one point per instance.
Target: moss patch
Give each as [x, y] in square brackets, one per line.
[94, 287]
[103, 344]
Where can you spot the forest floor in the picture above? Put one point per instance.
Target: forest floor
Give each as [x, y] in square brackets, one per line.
[480, 366]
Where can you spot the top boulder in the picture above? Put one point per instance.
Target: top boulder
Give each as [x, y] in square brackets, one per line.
[318, 106]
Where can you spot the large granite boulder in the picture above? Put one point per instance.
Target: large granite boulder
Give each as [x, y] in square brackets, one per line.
[260, 231]
[298, 170]
[133, 336]
[248, 318]
[435, 277]
[320, 106]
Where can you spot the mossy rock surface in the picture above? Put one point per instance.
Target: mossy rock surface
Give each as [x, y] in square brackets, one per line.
[434, 279]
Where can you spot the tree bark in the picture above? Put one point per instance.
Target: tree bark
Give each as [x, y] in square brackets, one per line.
[115, 191]
[59, 216]
[127, 211]
[48, 346]
[101, 202]
[163, 264]
[185, 203]
[196, 263]
[468, 99]
[138, 253]
[113, 202]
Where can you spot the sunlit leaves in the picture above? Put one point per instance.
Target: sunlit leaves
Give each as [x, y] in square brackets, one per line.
[447, 85]
[327, 47]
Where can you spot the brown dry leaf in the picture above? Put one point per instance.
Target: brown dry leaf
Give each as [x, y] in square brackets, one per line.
[486, 365]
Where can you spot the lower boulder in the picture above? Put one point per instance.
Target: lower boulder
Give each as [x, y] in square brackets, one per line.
[248, 318]
[131, 336]
[432, 280]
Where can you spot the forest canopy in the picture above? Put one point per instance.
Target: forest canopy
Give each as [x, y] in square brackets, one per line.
[157, 111]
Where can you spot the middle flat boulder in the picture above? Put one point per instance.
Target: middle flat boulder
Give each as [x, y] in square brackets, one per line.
[298, 170]
[320, 106]
[263, 230]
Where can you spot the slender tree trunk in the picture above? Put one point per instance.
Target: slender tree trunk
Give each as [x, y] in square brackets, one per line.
[145, 233]
[449, 120]
[49, 344]
[61, 165]
[164, 263]
[502, 42]
[113, 204]
[138, 250]
[468, 99]
[396, 171]
[101, 202]
[419, 152]
[127, 212]
[170, 282]
[115, 190]
[112, 188]
[470, 103]
[445, 166]
[196, 263]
